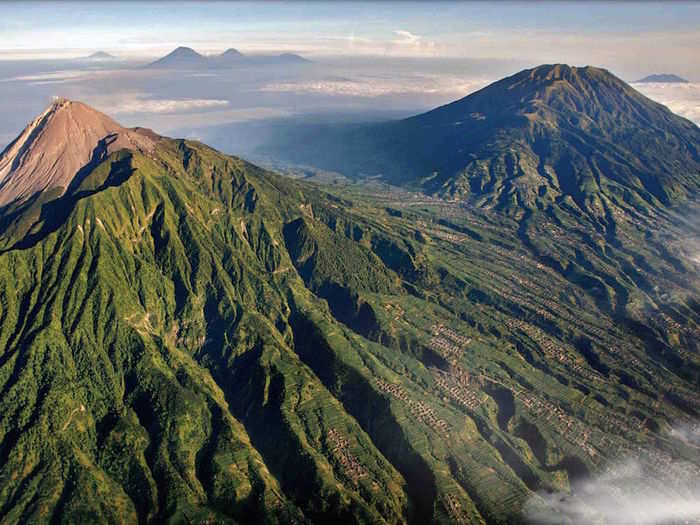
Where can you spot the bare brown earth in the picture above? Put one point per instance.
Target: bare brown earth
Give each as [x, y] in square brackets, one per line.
[54, 147]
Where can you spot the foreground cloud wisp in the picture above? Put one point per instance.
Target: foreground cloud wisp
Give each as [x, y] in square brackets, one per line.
[613, 500]
[649, 488]
[689, 432]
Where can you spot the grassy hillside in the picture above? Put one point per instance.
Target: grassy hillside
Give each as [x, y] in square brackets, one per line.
[187, 338]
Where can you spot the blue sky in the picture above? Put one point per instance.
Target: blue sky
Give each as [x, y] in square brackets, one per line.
[602, 33]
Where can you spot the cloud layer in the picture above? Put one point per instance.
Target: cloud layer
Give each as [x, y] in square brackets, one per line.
[648, 487]
[164, 105]
[683, 99]
[55, 77]
[363, 86]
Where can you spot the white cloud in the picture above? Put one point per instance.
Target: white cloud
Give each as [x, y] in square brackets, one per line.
[140, 103]
[406, 37]
[375, 87]
[681, 98]
[411, 43]
[690, 248]
[168, 123]
[688, 432]
[162, 105]
[647, 488]
[166, 115]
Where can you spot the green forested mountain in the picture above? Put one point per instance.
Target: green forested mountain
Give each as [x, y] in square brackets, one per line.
[187, 338]
[554, 134]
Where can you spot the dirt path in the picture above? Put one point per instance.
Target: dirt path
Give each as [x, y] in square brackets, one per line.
[81, 408]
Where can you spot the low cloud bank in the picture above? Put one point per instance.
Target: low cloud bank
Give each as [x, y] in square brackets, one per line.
[375, 87]
[650, 488]
[683, 99]
[160, 105]
[56, 77]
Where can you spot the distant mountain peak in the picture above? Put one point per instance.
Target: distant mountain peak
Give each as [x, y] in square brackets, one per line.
[294, 57]
[571, 121]
[541, 94]
[231, 52]
[663, 77]
[180, 56]
[64, 138]
[100, 55]
[184, 51]
[188, 58]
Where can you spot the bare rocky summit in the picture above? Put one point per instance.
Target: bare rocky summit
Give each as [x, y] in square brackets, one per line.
[53, 148]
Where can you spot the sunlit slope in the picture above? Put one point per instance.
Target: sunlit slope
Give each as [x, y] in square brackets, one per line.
[123, 331]
[187, 337]
[570, 131]
[551, 136]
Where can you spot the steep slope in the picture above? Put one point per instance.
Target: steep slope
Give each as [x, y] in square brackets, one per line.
[187, 338]
[563, 131]
[53, 148]
[159, 328]
[552, 134]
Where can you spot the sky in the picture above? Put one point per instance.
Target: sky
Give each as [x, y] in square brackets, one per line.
[369, 60]
[625, 36]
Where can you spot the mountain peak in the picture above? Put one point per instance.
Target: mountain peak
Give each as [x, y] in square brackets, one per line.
[663, 77]
[546, 94]
[184, 51]
[293, 57]
[544, 136]
[231, 52]
[51, 150]
[180, 56]
[57, 102]
[185, 57]
[100, 55]
[570, 121]
[582, 79]
[564, 71]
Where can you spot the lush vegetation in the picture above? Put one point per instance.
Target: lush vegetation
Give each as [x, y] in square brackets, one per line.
[187, 338]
